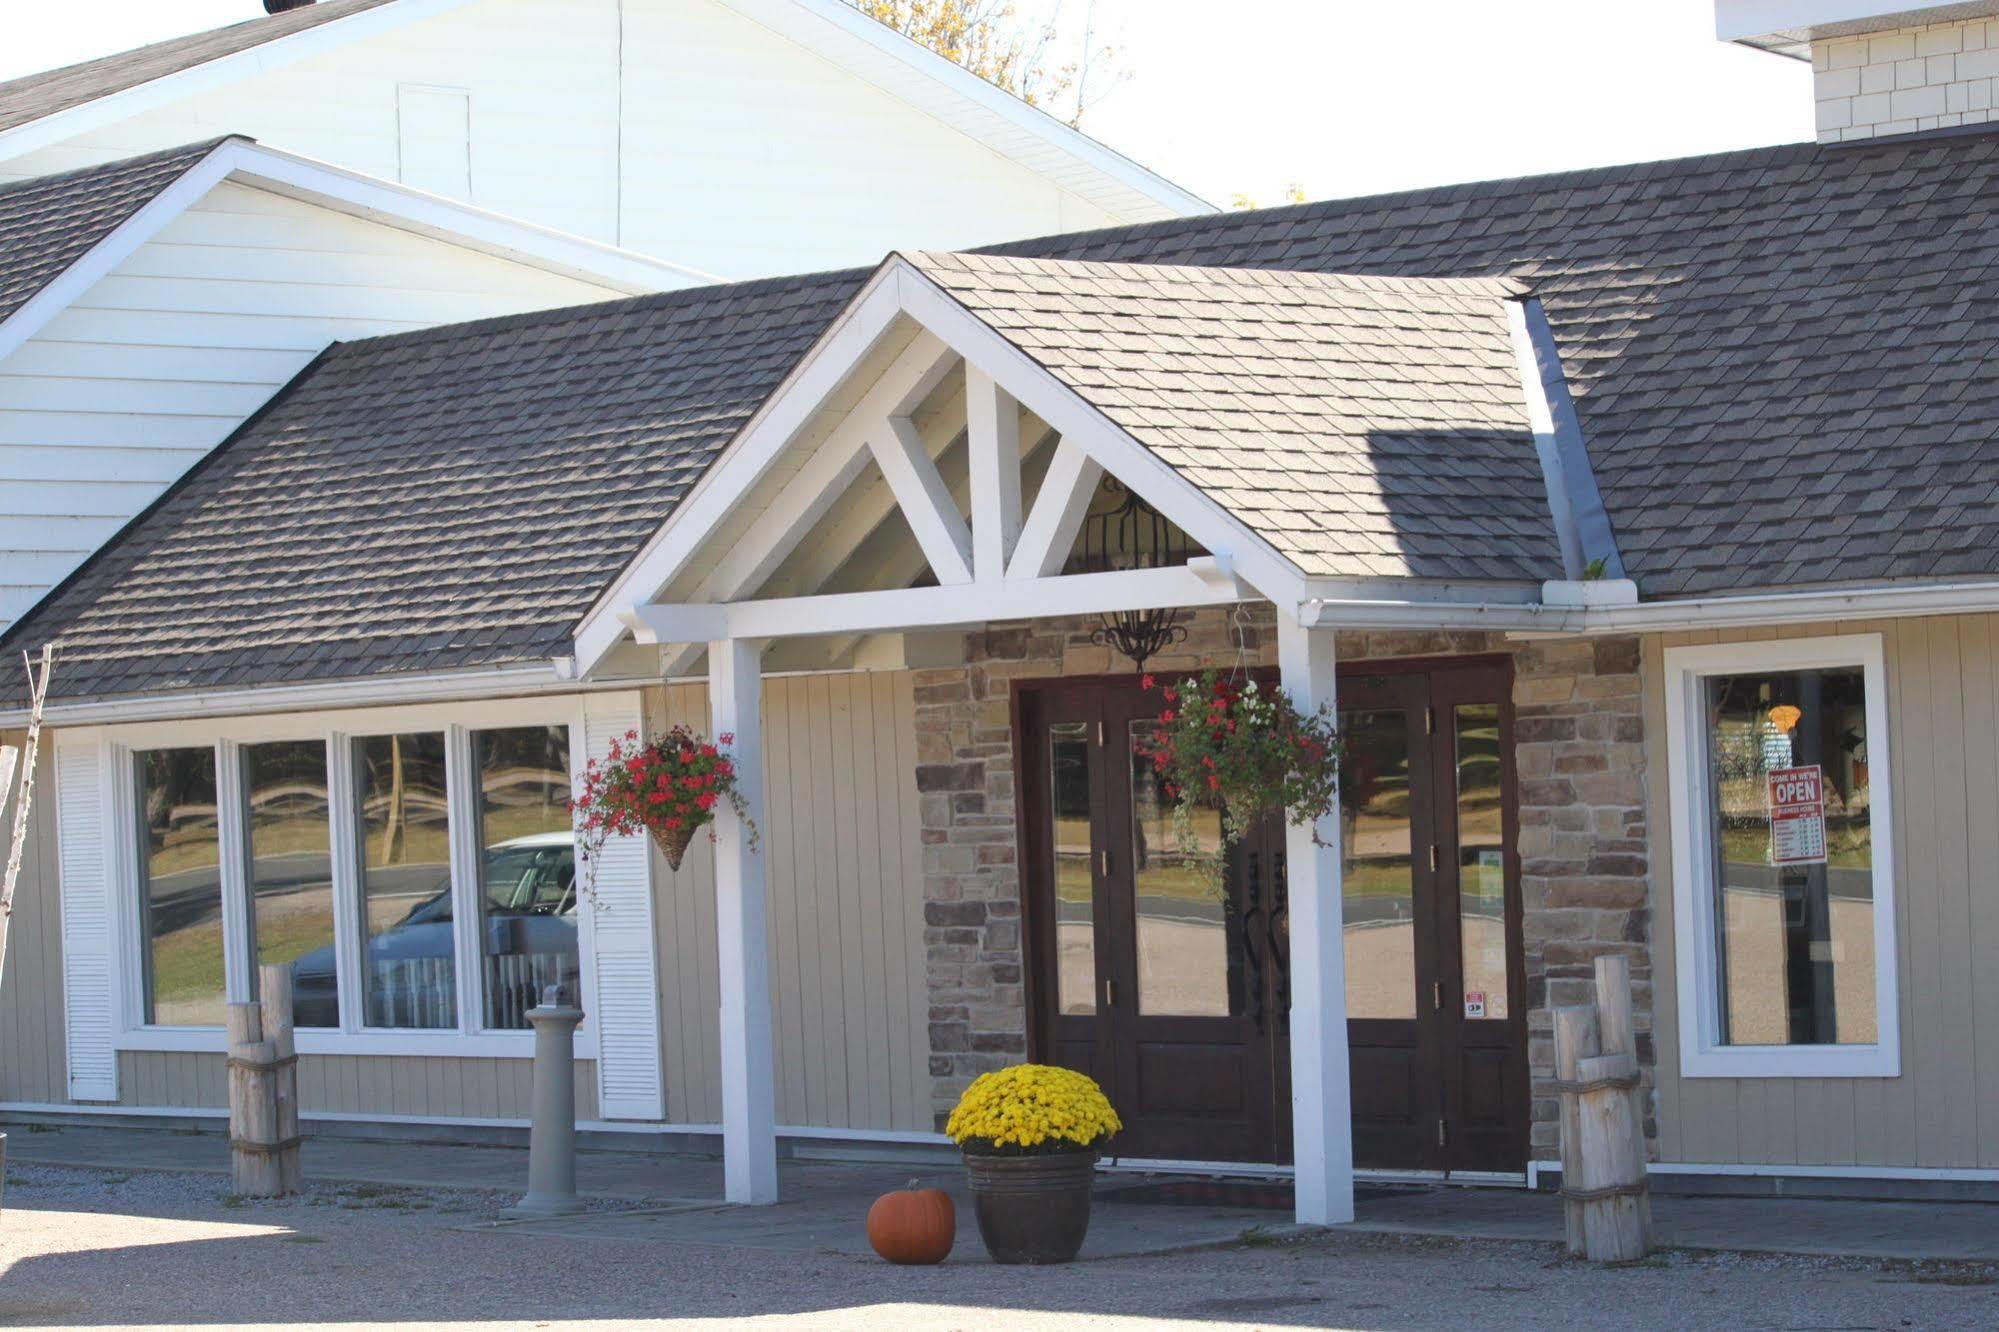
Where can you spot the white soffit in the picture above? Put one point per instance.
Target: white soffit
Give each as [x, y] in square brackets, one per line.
[837, 32]
[1787, 27]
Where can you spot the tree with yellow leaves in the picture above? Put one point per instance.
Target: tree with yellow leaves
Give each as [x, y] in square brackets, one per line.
[1015, 54]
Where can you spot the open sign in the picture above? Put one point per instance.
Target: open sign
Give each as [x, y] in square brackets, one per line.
[1797, 816]
[1796, 786]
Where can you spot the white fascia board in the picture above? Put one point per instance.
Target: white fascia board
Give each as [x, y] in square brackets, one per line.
[273, 54]
[116, 247]
[869, 316]
[825, 26]
[461, 224]
[1755, 22]
[355, 195]
[438, 687]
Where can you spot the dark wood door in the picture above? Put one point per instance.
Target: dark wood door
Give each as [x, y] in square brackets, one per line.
[1172, 991]
[1149, 976]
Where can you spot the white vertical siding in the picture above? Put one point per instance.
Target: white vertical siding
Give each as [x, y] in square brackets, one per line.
[1943, 1111]
[121, 393]
[676, 128]
[846, 911]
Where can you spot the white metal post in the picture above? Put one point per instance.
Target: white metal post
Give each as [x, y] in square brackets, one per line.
[749, 1112]
[1321, 1101]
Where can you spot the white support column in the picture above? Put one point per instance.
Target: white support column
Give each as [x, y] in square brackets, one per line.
[749, 1110]
[1321, 1099]
[992, 423]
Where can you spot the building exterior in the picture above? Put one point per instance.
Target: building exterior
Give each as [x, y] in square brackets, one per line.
[1636, 522]
[699, 131]
[418, 162]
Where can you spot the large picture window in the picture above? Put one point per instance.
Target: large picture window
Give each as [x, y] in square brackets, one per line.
[418, 882]
[408, 969]
[527, 909]
[1783, 881]
[291, 871]
[180, 888]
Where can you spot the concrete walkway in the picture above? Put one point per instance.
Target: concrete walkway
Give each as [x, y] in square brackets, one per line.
[651, 1198]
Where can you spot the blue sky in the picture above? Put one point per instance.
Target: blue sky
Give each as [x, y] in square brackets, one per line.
[1339, 96]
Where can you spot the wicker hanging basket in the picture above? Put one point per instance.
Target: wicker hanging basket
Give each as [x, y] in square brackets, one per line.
[673, 842]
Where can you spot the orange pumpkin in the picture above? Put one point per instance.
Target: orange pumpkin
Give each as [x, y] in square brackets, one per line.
[913, 1225]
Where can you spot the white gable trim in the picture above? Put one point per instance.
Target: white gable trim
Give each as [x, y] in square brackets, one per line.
[831, 29]
[912, 72]
[898, 291]
[273, 54]
[342, 191]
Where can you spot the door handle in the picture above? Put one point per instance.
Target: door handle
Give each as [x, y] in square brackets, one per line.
[1110, 993]
[1437, 995]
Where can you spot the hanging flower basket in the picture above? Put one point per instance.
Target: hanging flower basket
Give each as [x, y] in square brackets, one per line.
[1228, 744]
[667, 787]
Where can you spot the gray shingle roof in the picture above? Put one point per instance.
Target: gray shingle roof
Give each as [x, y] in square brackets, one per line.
[1784, 361]
[431, 500]
[1365, 427]
[49, 222]
[34, 96]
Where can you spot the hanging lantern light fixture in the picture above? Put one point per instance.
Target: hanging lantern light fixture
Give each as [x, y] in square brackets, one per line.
[1132, 535]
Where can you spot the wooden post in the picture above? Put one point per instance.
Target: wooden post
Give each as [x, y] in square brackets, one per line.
[253, 1107]
[274, 984]
[1604, 1187]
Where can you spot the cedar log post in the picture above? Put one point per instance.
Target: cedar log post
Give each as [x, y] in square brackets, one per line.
[1605, 1192]
[274, 983]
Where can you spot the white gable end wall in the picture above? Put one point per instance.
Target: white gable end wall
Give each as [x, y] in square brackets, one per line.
[156, 363]
[677, 128]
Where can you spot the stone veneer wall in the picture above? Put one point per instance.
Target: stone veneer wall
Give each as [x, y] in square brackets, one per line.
[1580, 763]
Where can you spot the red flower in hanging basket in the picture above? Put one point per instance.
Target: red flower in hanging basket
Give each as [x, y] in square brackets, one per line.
[645, 787]
[1248, 752]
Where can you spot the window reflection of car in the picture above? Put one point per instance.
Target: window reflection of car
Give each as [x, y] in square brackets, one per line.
[530, 908]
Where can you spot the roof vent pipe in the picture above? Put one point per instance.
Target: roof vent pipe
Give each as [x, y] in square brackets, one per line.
[280, 6]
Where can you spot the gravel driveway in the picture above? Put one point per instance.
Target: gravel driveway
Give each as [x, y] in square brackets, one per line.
[92, 1248]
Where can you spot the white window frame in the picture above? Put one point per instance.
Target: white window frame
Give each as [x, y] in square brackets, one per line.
[1702, 1053]
[337, 730]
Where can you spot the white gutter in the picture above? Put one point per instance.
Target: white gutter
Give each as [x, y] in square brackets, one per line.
[443, 686]
[1610, 606]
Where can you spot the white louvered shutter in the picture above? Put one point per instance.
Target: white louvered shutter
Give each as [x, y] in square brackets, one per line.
[627, 1000]
[89, 949]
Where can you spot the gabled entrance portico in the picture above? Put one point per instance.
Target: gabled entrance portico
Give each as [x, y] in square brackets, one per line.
[928, 467]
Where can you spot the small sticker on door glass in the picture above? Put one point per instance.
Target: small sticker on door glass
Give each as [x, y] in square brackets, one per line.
[1474, 1003]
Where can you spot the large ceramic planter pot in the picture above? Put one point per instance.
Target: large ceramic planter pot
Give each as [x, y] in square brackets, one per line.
[1032, 1209]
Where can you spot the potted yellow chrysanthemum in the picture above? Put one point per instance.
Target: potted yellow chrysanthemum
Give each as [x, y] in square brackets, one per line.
[1030, 1134]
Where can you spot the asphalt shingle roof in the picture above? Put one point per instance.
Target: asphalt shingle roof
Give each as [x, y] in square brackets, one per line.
[432, 500]
[1363, 426]
[1784, 361]
[35, 96]
[49, 222]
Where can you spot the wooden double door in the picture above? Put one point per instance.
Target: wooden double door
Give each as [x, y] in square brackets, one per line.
[1159, 958]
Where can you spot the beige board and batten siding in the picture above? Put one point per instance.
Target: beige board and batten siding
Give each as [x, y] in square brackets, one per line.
[844, 864]
[402, 1086]
[33, 1065]
[1943, 1111]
